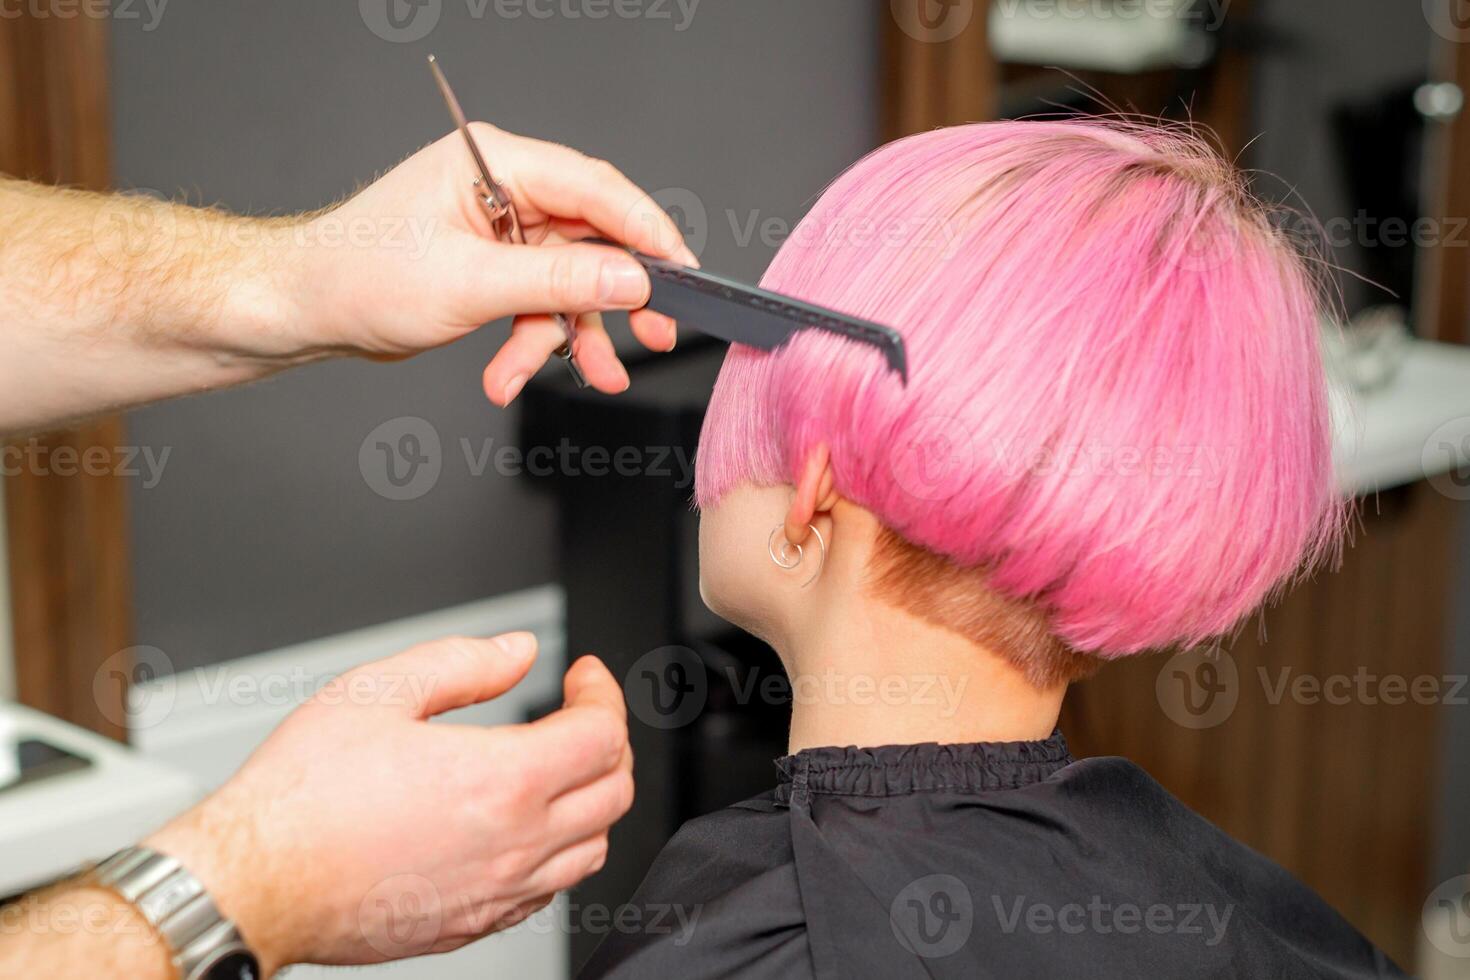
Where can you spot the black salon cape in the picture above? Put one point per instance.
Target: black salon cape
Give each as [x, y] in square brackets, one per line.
[1005, 860]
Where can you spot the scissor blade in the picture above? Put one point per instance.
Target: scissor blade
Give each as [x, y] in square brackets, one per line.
[457, 114]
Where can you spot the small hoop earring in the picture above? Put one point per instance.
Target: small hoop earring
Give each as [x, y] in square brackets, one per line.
[784, 559]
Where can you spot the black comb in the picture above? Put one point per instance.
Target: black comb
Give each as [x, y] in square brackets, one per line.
[741, 314]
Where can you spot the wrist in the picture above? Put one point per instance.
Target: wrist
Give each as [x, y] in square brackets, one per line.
[223, 289]
[218, 844]
[262, 317]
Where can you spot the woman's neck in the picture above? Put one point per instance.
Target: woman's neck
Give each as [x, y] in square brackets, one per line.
[868, 674]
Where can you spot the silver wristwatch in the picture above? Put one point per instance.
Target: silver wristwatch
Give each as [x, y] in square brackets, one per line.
[204, 944]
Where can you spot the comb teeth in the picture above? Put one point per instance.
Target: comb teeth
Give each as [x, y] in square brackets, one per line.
[759, 318]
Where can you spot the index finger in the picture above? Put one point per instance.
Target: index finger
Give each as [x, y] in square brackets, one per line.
[570, 185]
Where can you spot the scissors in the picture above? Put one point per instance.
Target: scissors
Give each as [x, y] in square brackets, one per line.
[720, 307]
[504, 218]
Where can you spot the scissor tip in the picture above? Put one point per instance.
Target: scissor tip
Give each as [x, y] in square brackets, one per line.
[432, 59]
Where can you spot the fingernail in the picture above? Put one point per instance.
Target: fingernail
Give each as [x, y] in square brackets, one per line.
[689, 258]
[515, 647]
[627, 382]
[673, 336]
[514, 386]
[623, 284]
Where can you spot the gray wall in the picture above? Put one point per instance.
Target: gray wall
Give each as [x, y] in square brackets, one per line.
[262, 530]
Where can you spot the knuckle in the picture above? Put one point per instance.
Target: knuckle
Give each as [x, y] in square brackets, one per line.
[603, 171]
[570, 282]
[598, 858]
[484, 131]
[520, 788]
[456, 649]
[612, 740]
[615, 801]
[512, 866]
[626, 793]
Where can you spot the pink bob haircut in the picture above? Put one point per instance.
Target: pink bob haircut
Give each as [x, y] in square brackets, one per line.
[1115, 436]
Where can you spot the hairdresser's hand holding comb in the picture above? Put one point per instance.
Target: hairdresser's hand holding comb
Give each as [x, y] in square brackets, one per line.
[112, 301]
[391, 302]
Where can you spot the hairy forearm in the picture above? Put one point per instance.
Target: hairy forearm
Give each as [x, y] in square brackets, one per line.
[73, 931]
[109, 301]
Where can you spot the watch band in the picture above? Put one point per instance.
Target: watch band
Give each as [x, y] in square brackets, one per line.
[204, 944]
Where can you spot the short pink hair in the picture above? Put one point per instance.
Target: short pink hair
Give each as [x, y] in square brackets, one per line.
[1116, 404]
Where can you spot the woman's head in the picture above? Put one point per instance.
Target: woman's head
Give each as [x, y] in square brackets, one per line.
[1115, 435]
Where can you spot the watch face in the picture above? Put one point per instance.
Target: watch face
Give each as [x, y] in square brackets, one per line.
[234, 966]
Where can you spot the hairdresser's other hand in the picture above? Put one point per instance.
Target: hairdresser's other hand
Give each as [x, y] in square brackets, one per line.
[411, 262]
[359, 832]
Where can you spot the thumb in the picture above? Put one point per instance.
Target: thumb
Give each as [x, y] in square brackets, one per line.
[589, 684]
[451, 673]
[559, 279]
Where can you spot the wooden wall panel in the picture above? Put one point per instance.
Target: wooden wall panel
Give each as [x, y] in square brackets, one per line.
[1444, 282]
[67, 534]
[932, 82]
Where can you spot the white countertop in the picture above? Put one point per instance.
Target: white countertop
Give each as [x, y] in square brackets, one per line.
[53, 826]
[1416, 427]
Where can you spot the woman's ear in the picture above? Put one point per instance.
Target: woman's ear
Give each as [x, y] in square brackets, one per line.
[814, 494]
